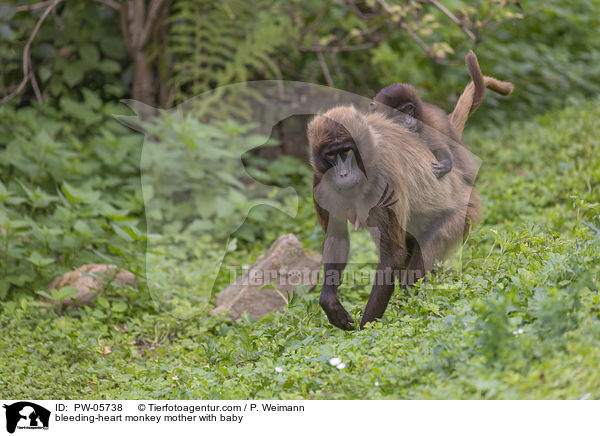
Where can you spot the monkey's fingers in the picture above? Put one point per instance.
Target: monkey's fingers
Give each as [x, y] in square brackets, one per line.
[341, 320]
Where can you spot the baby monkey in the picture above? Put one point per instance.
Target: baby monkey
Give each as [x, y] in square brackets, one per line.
[405, 103]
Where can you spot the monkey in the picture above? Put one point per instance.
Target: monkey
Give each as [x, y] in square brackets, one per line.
[443, 137]
[376, 173]
[415, 113]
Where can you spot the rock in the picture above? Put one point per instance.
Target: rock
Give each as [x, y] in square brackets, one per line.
[88, 280]
[286, 265]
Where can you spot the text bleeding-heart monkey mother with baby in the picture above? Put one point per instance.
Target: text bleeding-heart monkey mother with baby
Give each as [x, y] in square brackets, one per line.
[400, 170]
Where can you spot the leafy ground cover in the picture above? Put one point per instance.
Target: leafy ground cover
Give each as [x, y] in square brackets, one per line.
[515, 314]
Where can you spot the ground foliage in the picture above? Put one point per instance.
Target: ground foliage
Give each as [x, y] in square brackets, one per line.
[515, 314]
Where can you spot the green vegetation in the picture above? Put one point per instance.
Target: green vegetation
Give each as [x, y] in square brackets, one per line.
[515, 314]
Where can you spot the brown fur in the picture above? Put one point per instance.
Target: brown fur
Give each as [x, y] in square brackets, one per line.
[426, 216]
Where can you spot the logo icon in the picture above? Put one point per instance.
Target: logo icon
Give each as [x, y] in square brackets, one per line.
[26, 415]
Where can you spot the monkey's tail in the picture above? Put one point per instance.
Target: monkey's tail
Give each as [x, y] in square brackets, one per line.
[472, 96]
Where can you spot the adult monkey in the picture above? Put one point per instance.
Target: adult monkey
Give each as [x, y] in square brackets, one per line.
[376, 173]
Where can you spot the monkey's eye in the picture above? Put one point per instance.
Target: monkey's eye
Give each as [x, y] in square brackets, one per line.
[330, 156]
[346, 152]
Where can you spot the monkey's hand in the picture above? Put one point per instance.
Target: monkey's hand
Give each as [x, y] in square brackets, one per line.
[336, 314]
[442, 168]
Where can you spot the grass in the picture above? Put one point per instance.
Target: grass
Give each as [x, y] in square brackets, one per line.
[515, 315]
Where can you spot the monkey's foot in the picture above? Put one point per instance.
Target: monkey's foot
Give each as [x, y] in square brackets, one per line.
[337, 315]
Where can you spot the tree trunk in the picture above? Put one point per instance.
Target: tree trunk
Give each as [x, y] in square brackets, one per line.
[139, 21]
[143, 79]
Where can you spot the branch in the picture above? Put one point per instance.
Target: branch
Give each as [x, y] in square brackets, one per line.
[325, 69]
[27, 74]
[31, 7]
[111, 4]
[137, 16]
[36, 88]
[337, 49]
[360, 14]
[125, 26]
[151, 18]
[450, 15]
[416, 37]
[313, 24]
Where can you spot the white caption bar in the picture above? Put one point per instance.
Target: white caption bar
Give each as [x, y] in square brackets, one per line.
[26, 417]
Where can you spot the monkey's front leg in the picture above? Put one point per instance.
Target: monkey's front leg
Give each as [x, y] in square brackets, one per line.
[335, 256]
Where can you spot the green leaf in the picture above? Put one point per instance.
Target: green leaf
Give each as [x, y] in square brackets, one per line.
[67, 292]
[39, 261]
[45, 295]
[102, 302]
[82, 228]
[73, 73]
[4, 287]
[89, 55]
[119, 307]
[79, 195]
[122, 233]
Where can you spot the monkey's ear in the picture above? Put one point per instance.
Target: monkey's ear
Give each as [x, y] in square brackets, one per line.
[408, 108]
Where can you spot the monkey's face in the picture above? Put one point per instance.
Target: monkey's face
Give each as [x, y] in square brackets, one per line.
[335, 155]
[400, 101]
[343, 169]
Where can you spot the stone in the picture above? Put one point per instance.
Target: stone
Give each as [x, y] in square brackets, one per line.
[285, 265]
[88, 280]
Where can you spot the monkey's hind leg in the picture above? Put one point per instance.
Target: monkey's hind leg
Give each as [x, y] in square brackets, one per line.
[435, 243]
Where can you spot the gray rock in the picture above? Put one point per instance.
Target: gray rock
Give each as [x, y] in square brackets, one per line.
[285, 265]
